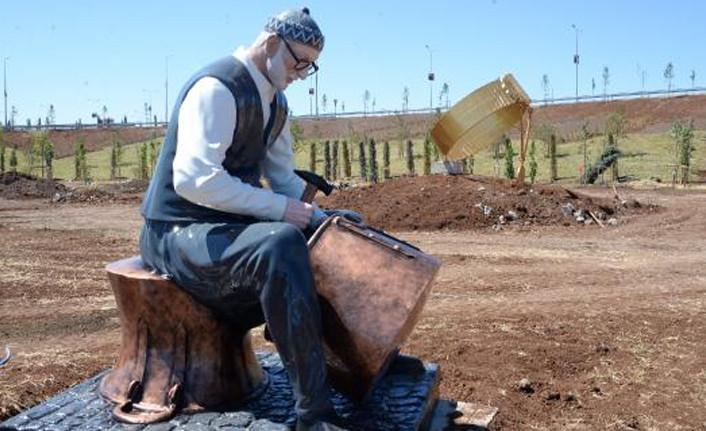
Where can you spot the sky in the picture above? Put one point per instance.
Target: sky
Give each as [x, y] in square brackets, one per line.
[80, 56]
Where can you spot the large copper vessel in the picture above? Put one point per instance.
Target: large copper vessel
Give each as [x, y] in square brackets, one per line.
[374, 287]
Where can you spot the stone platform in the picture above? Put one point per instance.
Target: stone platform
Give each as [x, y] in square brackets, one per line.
[404, 400]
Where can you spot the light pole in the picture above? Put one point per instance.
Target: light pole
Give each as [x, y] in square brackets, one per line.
[641, 73]
[166, 89]
[576, 60]
[430, 77]
[316, 85]
[148, 108]
[311, 98]
[4, 78]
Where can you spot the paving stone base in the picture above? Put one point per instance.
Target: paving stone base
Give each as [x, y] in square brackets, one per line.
[402, 401]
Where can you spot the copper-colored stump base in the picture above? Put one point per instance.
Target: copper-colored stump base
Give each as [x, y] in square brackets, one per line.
[174, 353]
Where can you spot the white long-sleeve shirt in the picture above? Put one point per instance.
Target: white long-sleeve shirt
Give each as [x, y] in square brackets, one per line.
[207, 119]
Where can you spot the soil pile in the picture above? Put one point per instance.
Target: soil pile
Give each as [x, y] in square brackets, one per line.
[126, 192]
[22, 186]
[472, 202]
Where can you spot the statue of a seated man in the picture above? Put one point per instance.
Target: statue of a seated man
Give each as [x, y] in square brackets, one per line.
[210, 226]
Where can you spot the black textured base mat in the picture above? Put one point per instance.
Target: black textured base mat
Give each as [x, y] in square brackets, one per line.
[402, 401]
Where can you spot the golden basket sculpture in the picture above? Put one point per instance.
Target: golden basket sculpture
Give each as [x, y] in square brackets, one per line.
[480, 118]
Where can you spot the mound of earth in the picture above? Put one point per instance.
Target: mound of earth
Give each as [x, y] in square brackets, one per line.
[22, 186]
[130, 191]
[15, 185]
[435, 202]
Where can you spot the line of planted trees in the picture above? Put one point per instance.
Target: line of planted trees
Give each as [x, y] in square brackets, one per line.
[339, 155]
[39, 159]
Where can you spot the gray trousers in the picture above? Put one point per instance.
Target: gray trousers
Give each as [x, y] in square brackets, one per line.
[249, 274]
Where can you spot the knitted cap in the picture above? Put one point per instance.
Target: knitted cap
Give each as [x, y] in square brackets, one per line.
[296, 25]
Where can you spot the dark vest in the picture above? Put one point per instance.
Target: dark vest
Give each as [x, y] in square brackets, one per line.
[247, 148]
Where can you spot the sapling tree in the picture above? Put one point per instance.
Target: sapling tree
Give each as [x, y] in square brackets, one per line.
[13, 160]
[362, 162]
[312, 156]
[552, 159]
[48, 157]
[509, 156]
[533, 163]
[386, 161]
[327, 159]
[372, 161]
[346, 160]
[334, 160]
[410, 157]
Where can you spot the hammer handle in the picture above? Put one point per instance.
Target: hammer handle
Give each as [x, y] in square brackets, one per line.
[309, 193]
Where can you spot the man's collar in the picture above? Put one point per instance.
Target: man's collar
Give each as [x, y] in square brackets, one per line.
[266, 89]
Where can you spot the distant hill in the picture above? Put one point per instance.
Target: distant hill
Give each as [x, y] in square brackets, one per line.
[94, 139]
[653, 115]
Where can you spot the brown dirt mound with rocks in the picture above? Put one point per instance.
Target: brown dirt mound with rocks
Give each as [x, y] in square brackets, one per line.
[463, 202]
[130, 191]
[15, 185]
[426, 203]
[18, 186]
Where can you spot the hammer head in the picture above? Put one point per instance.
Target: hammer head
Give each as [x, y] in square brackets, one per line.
[315, 180]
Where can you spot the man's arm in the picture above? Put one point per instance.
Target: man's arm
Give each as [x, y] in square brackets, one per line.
[207, 120]
[278, 167]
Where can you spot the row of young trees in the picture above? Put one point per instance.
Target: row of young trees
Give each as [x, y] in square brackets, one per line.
[11, 158]
[366, 155]
[40, 156]
[608, 153]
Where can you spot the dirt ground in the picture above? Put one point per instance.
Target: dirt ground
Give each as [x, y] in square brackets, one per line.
[605, 324]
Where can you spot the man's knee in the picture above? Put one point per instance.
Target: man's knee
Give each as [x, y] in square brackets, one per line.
[285, 238]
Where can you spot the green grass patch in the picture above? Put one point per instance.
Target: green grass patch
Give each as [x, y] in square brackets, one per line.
[98, 163]
[645, 157]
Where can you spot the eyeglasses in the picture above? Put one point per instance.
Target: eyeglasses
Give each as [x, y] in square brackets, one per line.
[309, 66]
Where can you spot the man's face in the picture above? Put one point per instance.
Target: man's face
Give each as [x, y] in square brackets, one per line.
[291, 61]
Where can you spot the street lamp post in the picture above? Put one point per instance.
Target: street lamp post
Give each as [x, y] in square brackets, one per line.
[576, 60]
[316, 95]
[430, 77]
[4, 78]
[166, 89]
[311, 100]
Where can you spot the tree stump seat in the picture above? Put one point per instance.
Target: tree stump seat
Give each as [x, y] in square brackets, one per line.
[175, 354]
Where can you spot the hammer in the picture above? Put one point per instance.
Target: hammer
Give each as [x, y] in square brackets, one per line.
[313, 184]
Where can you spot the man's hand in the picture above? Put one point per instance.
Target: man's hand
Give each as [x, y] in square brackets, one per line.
[298, 213]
